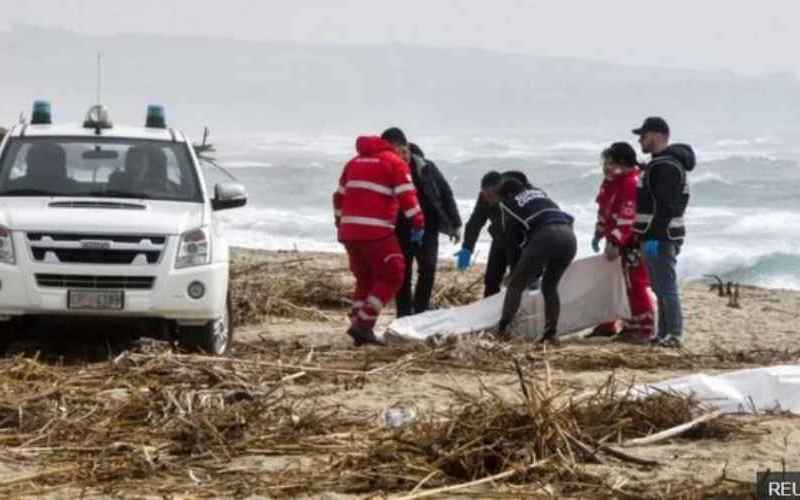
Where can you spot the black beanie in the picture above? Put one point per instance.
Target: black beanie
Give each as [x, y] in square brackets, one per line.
[511, 187]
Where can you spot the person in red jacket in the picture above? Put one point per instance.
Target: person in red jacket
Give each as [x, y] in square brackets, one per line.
[605, 198]
[616, 217]
[374, 187]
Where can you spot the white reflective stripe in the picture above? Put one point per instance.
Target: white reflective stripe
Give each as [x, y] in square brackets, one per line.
[402, 188]
[366, 317]
[366, 221]
[392, 256]
[375, 302]
[368, 160]
[644, 218]
[625, 222]
[617, 234]
[512, 214]
[678, 222]
[414, 211]
[341, 190]
[370, 186]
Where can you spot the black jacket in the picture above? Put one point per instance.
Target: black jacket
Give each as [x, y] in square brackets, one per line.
[524, 214]
[435, 198]
[484, 212]
[663, 194]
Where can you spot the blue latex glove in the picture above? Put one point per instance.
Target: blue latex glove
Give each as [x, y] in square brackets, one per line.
[464, 259]
[417, 235]
[652, 248]
[596, 244]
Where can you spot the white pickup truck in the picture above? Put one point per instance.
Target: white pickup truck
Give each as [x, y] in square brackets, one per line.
[105, 221]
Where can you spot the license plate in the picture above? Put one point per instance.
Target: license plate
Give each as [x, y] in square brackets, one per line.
[96, 299]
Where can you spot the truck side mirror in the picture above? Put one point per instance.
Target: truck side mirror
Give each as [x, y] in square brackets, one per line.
[229, 195]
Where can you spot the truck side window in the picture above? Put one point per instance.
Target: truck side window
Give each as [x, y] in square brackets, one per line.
[20, 167]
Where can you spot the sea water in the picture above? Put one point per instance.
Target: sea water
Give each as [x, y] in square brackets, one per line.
[743, 223]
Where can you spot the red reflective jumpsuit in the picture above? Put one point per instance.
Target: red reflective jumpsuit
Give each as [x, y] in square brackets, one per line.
[373, 188]
[616, 215]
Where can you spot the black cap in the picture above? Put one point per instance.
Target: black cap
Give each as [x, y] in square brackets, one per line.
[653, 124]
[395, 136]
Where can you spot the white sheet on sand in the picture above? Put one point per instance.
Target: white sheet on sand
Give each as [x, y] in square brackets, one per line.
[754, 390]
[592, 291]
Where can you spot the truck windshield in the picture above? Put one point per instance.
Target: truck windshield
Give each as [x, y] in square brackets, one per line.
[98, 168]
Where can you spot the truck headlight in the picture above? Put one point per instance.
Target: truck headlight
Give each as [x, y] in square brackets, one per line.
[6, 246]
[194, 249]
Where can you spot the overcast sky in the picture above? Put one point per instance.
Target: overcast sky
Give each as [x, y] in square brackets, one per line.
[745, 36]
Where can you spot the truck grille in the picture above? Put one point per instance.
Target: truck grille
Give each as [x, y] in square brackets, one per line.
[95, 282]
[96, 204]
[73, 248]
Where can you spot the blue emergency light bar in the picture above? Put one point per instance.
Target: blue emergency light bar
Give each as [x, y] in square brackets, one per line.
[41, 113]
[155, 117]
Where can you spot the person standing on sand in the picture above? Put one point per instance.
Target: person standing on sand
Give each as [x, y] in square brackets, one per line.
[546, 238]
[604, 199]
[617, 215]
[373, 188]
[662, 198]
[441, 216]
[487, 209]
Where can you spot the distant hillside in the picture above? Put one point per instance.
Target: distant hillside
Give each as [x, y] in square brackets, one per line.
[297, 87]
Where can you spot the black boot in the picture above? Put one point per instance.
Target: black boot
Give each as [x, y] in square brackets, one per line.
[363, 336]
[502, 331]
[550, 337]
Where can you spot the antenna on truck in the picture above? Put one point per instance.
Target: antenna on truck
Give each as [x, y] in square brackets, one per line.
[97, 117]
[99, 77]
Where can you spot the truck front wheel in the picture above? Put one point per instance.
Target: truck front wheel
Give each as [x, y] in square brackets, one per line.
[215, 337]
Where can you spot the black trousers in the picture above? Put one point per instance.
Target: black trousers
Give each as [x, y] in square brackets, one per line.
[497, 265]
[551, 250]
[426, 256]
[496, 268]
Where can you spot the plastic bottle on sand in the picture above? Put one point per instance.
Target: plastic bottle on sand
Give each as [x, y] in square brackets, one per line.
[397, 417]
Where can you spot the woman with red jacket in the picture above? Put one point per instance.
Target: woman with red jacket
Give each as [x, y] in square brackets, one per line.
[616, 216]
[604, 199]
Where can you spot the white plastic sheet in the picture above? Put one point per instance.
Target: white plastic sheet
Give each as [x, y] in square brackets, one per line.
[592, 291]
[754, 390]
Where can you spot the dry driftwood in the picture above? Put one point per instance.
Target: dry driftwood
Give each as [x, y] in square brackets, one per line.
[463, 486]
[672, 432]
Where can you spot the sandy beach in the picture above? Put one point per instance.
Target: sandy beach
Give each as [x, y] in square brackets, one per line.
[291, 345]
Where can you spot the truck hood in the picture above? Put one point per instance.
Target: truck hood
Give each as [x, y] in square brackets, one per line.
[91, 215]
